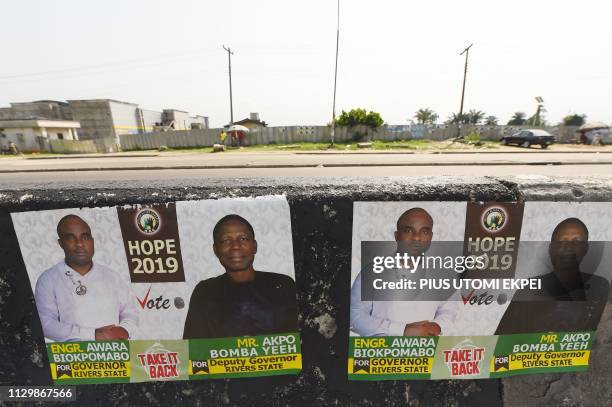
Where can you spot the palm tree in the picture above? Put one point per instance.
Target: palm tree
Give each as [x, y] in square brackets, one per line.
[475, 116]
[457, 119]
[426, 116]
[574, 119]
[517, 119]
[491, 121]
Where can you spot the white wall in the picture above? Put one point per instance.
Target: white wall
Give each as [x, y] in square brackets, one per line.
[24, 138]
[68, 134]
[125, 119]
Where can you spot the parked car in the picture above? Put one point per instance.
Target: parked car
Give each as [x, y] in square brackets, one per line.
[525, 138]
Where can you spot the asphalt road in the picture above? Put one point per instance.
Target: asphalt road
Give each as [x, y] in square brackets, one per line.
[281, 159]
[238, 164]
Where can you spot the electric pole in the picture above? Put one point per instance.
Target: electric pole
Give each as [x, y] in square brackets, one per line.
[333, 123]
[229, 60]
[467, 53]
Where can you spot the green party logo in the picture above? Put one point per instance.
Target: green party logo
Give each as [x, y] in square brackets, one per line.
[148, 221]
[494, 219]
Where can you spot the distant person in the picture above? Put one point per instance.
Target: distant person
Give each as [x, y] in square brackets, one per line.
[409, 318]
[79, 300]
[241, 138]
[569, 300]
[242, 301]
[222, 136]
[13, 148]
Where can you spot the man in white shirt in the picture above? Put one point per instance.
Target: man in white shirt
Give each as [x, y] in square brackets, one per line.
[403, 318]
[78, 300]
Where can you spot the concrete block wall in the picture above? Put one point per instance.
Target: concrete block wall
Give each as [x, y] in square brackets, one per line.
[101, 145]
[95, 118]
[322, 134]
[321, 223]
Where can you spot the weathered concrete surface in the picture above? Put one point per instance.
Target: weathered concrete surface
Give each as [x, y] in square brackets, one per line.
[543, 188]
[594, 387]
[591, 388]
[321, 212]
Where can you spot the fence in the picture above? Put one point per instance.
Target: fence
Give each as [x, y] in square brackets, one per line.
[103, 145]
[322, 134]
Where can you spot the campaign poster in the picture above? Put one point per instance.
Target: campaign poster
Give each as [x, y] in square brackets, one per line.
[393, 326]
[565, 246]
[470, 290]
[174, 291]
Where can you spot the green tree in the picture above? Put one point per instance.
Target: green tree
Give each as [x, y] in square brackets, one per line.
[457, 119]
[574, 119]
[517, 119]
[356, 117]
[472, 117]
[475, 116]
[426, 116]
[491, 121]
[536, 120]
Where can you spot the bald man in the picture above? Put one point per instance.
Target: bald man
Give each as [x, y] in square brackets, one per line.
[569, 300]
[79, 300]
[413, 234]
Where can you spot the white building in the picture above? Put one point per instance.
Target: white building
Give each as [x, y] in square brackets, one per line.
[34, 134]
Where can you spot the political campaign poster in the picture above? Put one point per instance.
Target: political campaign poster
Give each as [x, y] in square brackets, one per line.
[466, 290]
[175, 291]
[565, 247]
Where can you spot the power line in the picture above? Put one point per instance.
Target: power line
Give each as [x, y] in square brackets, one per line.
[166, 57]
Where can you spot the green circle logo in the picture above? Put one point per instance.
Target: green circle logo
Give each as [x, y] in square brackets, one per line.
[148, 221]
[494, 219]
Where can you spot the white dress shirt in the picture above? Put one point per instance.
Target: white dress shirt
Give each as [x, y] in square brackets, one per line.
[389, 318]
[67, 316]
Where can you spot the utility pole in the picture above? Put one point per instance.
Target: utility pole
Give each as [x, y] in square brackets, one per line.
[229, 60]
[537, 121]
[333, 123]
[467, 53]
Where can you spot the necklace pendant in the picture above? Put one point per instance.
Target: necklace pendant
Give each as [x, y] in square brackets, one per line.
[81, 289]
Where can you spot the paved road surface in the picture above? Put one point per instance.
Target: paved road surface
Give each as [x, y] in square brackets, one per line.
[198, 166]
[22, 178]
[275, 159]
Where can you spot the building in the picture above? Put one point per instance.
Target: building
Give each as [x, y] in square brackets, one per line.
[33, 134]
[252, 122]
[48, 109]
[104, 118]
[101, 118]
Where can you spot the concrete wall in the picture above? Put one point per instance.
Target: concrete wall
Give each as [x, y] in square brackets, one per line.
[298, 134]
[321, 223]
[49, 110]
[104, 145]
[26, 139]
[95, 118]
[173, 139]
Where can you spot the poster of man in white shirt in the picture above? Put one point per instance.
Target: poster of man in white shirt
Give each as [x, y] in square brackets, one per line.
[413, 231]
[79, 299]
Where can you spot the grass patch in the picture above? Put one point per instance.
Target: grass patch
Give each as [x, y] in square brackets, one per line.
[398, 145]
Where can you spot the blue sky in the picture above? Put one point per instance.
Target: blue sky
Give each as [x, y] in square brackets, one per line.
[395, 56]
